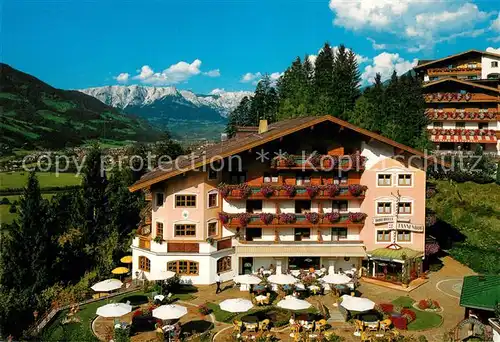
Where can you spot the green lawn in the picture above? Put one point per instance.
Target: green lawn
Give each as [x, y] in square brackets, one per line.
[469, 212]
[46, 179]
[425, 320]
[8, 217]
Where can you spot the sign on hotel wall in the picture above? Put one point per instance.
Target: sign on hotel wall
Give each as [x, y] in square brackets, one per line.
[419, 228]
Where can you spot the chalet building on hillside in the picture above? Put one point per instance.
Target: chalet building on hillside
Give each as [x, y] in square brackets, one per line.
[340, 198]
[462, 93]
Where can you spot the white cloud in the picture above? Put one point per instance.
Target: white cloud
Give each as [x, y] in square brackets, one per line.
[495, 24]
[175, 73]
[250, 77]
[494, 39]
[375, 45]
[415, 22]
[212, 73]
[359, 58]
[384, 64]
[122, 77]
[493, 50]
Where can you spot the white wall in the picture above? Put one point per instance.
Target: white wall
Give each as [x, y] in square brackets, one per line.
[486, 66]
[234, 206]
[468, 125]
[375, 152]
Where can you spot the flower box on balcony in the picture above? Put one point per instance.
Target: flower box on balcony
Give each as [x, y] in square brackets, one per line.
[357, 217]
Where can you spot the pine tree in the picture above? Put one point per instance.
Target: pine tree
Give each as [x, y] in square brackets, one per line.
[294, 88]
[346, 79]
[392, 96]
[323, 81]
[238, 116]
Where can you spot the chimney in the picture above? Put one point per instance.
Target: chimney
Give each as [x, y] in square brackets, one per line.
[223, 137]
[262, 126]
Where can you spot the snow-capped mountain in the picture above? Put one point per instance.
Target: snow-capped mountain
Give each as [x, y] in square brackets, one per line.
[141, 99]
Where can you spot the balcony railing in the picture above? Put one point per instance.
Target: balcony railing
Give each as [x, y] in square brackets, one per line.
[458, 115]
[313, 161]
[464, 132]
[270, 220]
[302, 242]
[281, 192]
[463, 71]
[458, 97]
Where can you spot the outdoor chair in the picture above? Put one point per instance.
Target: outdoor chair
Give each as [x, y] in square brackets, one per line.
[373, 327]
[320, 325]
[237, 326]
[359, 325]
[385, 324]
[264, 325]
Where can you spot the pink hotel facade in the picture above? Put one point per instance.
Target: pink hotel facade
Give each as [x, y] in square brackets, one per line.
[359, 201]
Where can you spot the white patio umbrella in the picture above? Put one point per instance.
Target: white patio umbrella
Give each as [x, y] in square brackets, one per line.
[337, 279]
[356, 303]
[236, 305]
[161, 275]
[114, 310]
[107, 285]
[247, 279]
[167, 312]
[292, 303]
[282, 279]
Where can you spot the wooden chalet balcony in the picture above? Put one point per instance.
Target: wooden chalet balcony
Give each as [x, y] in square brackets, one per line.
[144, 242]
[287, 220]
[462, 114]
[291, 192]
[301, 243]
[464, 135]
[459, 97]
[453, 71]
[318, 162]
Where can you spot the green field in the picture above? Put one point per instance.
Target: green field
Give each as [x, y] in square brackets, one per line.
[46, 179]
[469, 223]
[8, 217]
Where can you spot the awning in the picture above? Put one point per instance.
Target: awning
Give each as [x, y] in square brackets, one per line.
[390, 254]
[300, 251]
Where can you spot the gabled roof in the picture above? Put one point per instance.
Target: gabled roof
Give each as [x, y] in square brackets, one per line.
[451, 79]
[420, 66]
[238, 145]
[480, 292]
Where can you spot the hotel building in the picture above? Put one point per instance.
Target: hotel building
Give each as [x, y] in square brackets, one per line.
[340, 197]
[462, 93]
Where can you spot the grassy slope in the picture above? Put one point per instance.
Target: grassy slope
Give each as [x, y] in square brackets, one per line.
[477, 217]
[8, 217]
[46, 179]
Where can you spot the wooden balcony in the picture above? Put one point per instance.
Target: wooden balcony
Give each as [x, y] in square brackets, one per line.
[453, 71]
[303, 242]
[267, 220]
[459, 97]
[277, 192]
[462, 115]
[464, 135]
[319, 162]
[224, 244]
[183, 247]
[145, 242]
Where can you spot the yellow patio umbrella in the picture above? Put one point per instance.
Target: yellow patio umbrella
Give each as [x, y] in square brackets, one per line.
[120, 270]
[126, 259]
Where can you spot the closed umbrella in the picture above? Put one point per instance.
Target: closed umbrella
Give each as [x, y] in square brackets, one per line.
[337, 279]
[168, 312]
[120, 270]
[292, 303]
[236, 305]
[282, 279]
[247, 279]
[107, 285]
[114, 310]
[161, 275]
[356, 303]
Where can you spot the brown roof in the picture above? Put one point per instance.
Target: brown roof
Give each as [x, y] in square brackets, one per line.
[456, 55]
[235, 146]
[451, 79]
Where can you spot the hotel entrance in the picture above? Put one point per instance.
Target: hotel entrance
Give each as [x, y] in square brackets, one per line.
[304, 263]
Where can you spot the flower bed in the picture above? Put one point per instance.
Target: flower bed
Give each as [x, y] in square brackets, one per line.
[428, 305]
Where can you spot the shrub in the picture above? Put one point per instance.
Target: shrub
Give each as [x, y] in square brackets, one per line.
[5, 200]
[387, 307]
[203, 309]
[12, 209]
[409, 314]
[422, 338]
[172, 285]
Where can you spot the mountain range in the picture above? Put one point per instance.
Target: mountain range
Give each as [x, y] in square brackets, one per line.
[34, 114]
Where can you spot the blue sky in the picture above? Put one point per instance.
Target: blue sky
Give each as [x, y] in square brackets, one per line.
[223, 44]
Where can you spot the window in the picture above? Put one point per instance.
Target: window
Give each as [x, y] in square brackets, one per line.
[159, 230]
[339, 233]
[338, 206]
[224, 264]
[404, 207]
[472, 77]
[302, 233]
[383, 207]
[144, 264]
[159, 199]
[188, 201]
[212, 200]
[340, 178]
[301, 180]
[494, 64]
[238, 177]
[437, 124]
[185, 230]
[404, 235]
[254, 206]
[482, 125]
[471, 65]
[404, 180]
[459, 124]
[270, 178]
[212, 228]
[253, 233]
[384, 180]
[183, 267]
[383, 235]
[302, 206]
[212, 174]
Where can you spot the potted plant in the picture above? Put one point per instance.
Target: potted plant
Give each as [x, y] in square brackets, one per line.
[287, 218]
[332, 217]
[314, 159]
[266, 218]
[224, 190]
[267, 191]
[244, 190]
[290, 190]
[312, 190]
[223, 217]
[328, 161]
[356, 189]
[244, 219]
[158, 240]
[331, 190]
[356, 217]
[288, 160]
[312, 217]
